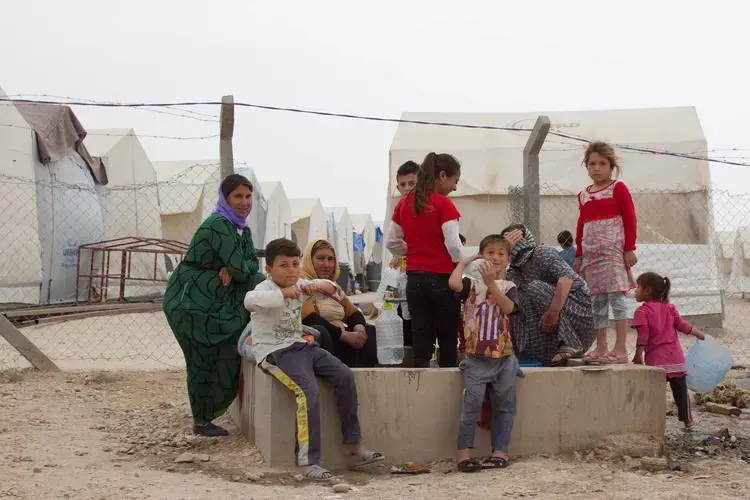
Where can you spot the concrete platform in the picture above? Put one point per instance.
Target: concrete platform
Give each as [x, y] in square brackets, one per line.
[411, 415]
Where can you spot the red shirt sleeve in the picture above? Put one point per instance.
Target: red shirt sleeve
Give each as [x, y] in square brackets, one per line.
[680, 324]
[396, 217]
[579, 229]
[627, 210]
[446, 209]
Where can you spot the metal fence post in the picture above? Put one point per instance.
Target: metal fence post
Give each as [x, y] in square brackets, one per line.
[226, 132]
[531, 175]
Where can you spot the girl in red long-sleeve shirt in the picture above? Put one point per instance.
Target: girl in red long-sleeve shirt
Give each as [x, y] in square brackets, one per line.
[605, 240]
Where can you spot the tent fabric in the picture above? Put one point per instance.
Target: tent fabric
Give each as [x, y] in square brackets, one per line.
[308, 220]
[57, 129]
[279, 213]
[671, 190]
[344, 227]
[46, 209]
[492, 159]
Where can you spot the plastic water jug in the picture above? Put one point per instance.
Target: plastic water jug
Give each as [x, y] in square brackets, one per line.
[390, 330]
[707, 364]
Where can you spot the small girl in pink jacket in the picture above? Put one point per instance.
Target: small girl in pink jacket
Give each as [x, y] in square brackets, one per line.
[657, 322]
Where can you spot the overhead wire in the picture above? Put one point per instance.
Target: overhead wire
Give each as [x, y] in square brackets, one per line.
[556, 133]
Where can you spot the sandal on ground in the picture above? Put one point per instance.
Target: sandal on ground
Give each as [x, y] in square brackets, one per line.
[469, 465]
[317, 473]
[614, 359]
[364, 458]
[495, 463]
[565, 353]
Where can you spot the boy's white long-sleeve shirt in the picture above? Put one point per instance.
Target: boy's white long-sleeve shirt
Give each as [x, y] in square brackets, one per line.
[276, 322]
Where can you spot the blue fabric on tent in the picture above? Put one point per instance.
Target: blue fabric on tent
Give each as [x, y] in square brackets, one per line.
[378, 235]
[359, 242]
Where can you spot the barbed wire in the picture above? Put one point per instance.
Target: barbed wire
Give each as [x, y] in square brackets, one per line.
[109, 134]
[330, 114]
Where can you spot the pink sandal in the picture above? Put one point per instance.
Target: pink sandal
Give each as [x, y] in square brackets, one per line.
[614, 359]
[594, 358]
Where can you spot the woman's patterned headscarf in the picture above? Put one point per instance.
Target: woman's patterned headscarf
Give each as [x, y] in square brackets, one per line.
[522, 252]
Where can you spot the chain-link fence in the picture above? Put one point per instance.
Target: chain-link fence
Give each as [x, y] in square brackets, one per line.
[696, 238]
[85, 266]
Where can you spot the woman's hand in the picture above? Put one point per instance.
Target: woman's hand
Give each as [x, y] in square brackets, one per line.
[549, 321]
[361, 330]
[353, 339]
[224, 276]
[290, 292]
[577, 265]
[630, 259]
[514, 237]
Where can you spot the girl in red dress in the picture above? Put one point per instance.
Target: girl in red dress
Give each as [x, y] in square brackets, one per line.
[605, 248]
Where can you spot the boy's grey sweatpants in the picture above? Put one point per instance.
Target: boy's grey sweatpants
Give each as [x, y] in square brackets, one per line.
[296, 367]
[498, 375]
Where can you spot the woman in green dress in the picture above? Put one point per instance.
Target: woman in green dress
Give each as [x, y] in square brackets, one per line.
[204, 303]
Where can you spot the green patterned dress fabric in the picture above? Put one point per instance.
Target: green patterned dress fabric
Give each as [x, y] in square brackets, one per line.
[207, 317]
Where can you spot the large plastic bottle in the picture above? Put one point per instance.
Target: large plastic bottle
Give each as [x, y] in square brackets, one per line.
[707, 363]
[390, 331]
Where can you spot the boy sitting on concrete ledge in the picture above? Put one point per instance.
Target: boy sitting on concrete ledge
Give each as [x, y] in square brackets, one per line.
[280, 350]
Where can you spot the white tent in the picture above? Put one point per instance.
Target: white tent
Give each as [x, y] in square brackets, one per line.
[279, 213]
[188, 192]
[308, 220]
[130, 201]
[131, 197]
[364, 225]
[48, 202]
[492, 160]
[670, 192]
[345, 228]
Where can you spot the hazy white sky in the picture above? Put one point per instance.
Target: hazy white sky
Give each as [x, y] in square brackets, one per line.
[378, 58]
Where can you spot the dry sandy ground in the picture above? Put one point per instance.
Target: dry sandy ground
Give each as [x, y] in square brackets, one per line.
[116, 436]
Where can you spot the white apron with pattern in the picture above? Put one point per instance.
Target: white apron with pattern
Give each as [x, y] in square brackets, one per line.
[603, 243]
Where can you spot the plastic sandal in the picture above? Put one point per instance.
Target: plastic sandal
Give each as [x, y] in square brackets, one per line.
[613, 359]
[594, 358]
[317, 473]
[469, 465]
[494, 463]
[364, 458]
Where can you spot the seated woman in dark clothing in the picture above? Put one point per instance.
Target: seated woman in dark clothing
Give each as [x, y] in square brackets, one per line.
[556, 322]
[347, 335]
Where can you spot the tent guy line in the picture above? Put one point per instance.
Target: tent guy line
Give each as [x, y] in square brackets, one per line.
[331, 114]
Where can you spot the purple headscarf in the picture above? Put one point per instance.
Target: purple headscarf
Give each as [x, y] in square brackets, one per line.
[223, 209]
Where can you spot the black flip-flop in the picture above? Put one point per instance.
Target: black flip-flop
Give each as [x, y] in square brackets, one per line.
[469, 465]
[494, 463]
